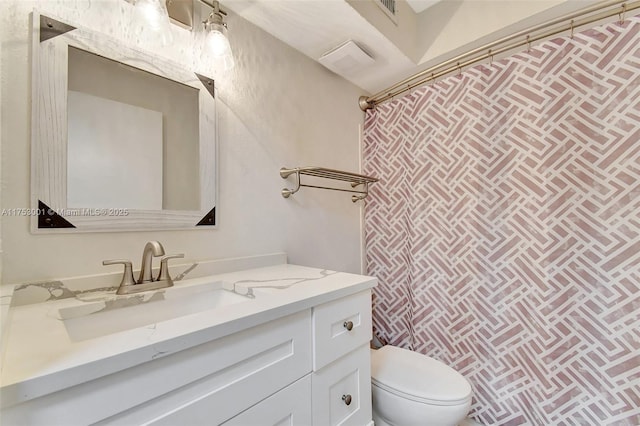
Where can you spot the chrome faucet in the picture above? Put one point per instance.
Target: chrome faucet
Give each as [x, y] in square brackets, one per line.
[151, 249]
[145, 281]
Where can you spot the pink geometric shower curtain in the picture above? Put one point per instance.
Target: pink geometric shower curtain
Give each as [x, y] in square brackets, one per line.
[505, 229]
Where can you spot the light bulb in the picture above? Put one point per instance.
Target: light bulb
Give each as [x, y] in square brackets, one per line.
[151, 20]
[217, 47]
[218, 44]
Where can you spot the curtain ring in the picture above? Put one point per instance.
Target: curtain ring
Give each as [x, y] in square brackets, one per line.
[528, 44]
[621, 15]
[459, 69]
[490, 57]
[433, 79]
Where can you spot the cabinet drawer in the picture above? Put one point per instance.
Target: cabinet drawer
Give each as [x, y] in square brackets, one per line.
[342, 391]
[291, 406]
[224, 377]
[331, 322]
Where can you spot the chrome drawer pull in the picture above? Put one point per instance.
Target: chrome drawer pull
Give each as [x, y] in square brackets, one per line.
[349, 326]
[347, 399]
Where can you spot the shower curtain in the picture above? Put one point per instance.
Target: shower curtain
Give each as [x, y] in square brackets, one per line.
[505, 229]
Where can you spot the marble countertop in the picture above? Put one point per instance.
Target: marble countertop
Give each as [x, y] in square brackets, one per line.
[40, 357]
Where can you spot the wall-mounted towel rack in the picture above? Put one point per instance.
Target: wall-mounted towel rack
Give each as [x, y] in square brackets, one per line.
[353, 178]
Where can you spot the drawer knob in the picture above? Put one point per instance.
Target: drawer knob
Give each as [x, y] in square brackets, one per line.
[349, 326]
[347, 399]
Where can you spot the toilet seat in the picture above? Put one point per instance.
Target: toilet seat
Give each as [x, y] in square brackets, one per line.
[417, 377]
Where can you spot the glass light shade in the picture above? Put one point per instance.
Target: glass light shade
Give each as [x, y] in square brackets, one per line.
[217, 47]
[151, 22]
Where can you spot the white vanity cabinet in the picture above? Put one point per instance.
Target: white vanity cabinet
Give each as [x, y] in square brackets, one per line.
[307, 368]
[290, 406]
[341, 379]
[247, 368]
[204, 384]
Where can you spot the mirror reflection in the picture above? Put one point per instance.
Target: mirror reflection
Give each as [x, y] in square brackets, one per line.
[132, 139]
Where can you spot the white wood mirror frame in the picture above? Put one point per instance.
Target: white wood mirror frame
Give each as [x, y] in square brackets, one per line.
[52, 40]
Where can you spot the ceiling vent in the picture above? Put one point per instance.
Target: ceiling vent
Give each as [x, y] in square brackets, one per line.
[389, 8]
[347, 59]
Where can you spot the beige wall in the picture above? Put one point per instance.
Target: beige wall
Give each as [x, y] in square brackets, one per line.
[1, 180]
[402, 33]
[449, 26]
[276, 108]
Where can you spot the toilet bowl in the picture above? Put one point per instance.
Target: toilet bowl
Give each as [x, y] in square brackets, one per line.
[411, 389]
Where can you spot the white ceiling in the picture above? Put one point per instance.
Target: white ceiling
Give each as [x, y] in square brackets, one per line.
[420, 5]
[315, 27]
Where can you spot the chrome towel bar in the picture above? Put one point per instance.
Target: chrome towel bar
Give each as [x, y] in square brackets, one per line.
[320, 172]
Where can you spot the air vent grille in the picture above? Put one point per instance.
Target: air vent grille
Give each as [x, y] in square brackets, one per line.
[389, 8]
[390, 5]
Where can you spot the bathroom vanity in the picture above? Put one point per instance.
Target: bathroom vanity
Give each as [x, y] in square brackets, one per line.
[274, 345]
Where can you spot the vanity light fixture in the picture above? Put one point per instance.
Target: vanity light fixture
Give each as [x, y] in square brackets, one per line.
[216, 43]
[151, 21]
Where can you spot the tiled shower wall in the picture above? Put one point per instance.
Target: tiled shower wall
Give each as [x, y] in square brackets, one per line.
[505, 229]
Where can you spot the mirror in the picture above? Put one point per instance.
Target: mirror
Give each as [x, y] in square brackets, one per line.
[121, 139]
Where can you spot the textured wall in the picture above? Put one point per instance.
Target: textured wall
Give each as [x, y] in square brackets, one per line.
[1, 138]
[505, 229]
[276, 108]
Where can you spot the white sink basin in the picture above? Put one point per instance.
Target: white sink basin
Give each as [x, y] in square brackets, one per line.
[120, 313]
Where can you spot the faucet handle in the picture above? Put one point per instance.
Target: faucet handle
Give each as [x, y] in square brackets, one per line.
[127, 276]
[164, 267]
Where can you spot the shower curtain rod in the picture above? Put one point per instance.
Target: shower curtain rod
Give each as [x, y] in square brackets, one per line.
[488, 51]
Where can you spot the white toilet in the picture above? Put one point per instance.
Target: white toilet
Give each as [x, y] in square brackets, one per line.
[411, 389]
